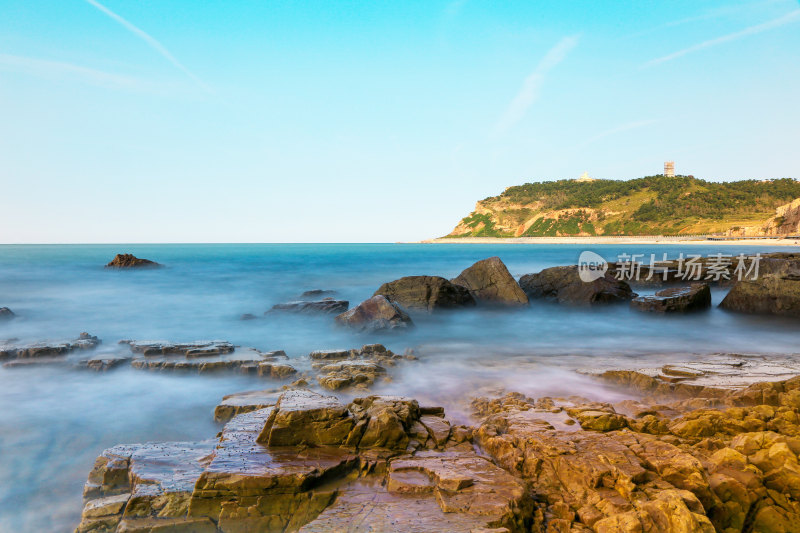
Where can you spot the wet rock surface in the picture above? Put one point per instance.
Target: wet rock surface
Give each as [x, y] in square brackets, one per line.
[428, 293]
[308, 463]
[564, 285]
[376, 314]
[694, 297]
[6, 314]
[489, 281]
[682, 457]
[697, 464]
[131, 261]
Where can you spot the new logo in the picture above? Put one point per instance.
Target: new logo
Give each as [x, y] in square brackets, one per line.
[591, 266]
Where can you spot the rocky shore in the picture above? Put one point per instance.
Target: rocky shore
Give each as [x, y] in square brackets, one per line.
[682, 457]
[700, 444]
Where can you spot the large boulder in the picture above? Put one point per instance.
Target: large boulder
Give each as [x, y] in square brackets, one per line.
[770, 294]
[6, 313]
[429, 293]
[694, 297]
[204, 357]
[564, 284]
[375, 314]
[131, 261]
[490, 281]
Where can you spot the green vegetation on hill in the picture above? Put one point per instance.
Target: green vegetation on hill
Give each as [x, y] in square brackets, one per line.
[653, 205]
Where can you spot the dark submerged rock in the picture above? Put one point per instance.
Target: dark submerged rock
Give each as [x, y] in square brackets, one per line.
[695, 297]
[376, 314]
[429, 293]
[324, 306]
[563, 284]
[318, 293]
[6, 314]
[489, 281]
[131, 261]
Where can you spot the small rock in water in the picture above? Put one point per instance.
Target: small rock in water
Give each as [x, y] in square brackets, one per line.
[376, 314]
[131, 261]
[6, 313]
[248, 316]
[695, 297]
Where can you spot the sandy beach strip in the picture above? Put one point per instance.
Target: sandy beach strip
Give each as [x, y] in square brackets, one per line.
[794, 241]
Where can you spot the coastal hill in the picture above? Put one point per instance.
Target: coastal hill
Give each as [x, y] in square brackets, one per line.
[653, 205]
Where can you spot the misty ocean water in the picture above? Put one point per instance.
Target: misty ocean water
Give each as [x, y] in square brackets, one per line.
[54, 421]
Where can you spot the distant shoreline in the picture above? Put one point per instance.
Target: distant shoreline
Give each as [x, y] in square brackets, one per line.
[616, 240]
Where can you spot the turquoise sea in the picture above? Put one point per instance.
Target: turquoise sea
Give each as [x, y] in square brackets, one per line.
[54, 422]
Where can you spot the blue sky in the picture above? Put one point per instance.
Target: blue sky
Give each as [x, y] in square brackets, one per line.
[273, 121]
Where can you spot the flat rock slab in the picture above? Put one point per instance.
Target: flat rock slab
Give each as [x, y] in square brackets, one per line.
[244, 402]
[189, 349]
[695, 297]
[367, 506]
[185, 357]
[727, 371]
[47, 349]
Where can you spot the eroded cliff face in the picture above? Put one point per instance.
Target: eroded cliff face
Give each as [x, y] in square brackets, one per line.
[786, 220]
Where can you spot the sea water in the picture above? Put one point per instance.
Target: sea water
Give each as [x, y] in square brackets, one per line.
[54, 422]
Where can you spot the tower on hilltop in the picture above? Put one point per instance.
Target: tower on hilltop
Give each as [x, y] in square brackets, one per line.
[669, 169]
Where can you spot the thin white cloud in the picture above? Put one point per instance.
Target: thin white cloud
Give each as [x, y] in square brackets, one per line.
[715, 13]
[790, 17]
[151, 41]
[619, 129]
[58, 69]
[529, 92]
